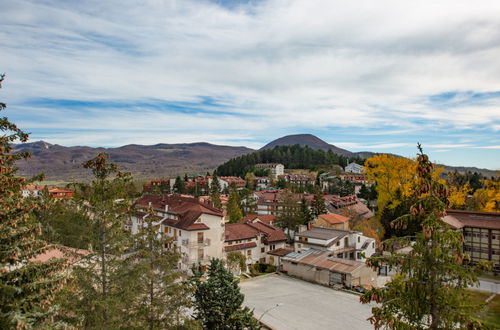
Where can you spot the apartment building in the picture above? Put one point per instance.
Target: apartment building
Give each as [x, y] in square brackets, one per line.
[345, 244]
[481, 232]
[196, 228]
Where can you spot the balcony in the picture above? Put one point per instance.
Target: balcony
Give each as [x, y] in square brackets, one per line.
[195, 244]
[195, 260]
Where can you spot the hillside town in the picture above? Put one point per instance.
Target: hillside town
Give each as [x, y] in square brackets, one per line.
[268, 226]
[249, 165]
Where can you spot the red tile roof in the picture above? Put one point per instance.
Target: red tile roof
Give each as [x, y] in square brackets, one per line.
[269, 219]
[334, 218]
[186, 209]
[240, 246]
[248, 230]
[271, 234]
[239, 231]
[57, 252]
[280, 252]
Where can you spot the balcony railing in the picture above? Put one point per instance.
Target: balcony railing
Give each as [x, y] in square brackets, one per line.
[189, 261]
[195, 244]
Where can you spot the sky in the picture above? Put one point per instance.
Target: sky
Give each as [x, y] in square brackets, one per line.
[363, 75]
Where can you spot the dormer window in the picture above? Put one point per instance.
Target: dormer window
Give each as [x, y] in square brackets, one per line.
[198, 220]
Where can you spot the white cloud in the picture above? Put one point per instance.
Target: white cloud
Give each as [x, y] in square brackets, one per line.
[294, 64]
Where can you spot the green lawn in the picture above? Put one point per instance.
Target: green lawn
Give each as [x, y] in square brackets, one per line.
[490, 314]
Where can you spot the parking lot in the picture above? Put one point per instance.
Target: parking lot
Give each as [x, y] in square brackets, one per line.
[287, 303]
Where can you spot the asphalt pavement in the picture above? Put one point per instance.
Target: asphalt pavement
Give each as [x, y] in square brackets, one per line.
[286, 303]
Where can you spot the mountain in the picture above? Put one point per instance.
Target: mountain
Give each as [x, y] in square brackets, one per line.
[314, 142]
[143, 161]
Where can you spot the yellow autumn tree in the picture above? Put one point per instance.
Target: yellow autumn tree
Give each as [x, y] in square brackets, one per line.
[458, 196]
[393, 175]
[488, 198]
[395, 178]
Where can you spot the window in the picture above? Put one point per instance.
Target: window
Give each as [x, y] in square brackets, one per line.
[263, 249]
[200, 254]
[249, 252]
[373, 245]
[338, 243]
[359, 239]
[230, 243]
[200, 237]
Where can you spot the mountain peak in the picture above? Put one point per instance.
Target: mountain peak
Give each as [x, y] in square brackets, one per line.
[309, 140]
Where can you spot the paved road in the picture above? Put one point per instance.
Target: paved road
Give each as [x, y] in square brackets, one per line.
[493, 287]
[303, 305]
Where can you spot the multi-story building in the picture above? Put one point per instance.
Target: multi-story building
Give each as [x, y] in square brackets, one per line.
[254, 239]
[275, 169]
[345, 244]
[481, 232]
[354, 168]
[298, 179]
[271, 203]
[332, 220]
[196, 228]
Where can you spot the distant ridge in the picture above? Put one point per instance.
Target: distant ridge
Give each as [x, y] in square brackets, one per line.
[161, 160]
[314, 142]
[143, 161]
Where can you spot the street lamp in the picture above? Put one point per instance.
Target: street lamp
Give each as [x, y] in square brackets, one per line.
[270, 309]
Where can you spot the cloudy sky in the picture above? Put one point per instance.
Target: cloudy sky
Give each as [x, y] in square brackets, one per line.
[364, 75]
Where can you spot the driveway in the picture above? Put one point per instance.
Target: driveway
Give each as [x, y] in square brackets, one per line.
[488, 285]
[287, 303]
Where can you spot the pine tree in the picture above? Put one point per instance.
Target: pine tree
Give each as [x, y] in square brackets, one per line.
[26, 288]
[233, 207]
[288, 217]
[430, 288]
[218, 300]
[215, 192]
[318, 205]
[305, 213]
[179, 187]
[103, 287]
[162, 298]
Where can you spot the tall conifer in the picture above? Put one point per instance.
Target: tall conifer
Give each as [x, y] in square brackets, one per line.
[26, 288]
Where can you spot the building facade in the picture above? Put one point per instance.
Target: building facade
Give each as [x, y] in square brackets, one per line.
[481, 232]
[196, 228]
[344, 244]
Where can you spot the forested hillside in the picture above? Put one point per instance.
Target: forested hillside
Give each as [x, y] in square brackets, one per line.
[292, 157]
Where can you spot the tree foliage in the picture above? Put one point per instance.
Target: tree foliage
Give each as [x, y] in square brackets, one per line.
[218, 300]
[430, 288]
[318, 205]
[293, 157]
[289, 216]
[236, 260]
[234, 211]
[161, 297]
[103, 286]
[27, 288]
[215, 192]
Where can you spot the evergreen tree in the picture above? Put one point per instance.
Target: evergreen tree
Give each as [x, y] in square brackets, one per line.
[364, 193]
[165, 186]
[179, 186]
[162, 298]
[318, 205]
[62, 223]
[288, 217]
[218, 300]
[215, 192]
[26, 288]
[305, 213]
[103, 288]
[430, 288]
[233, 207]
